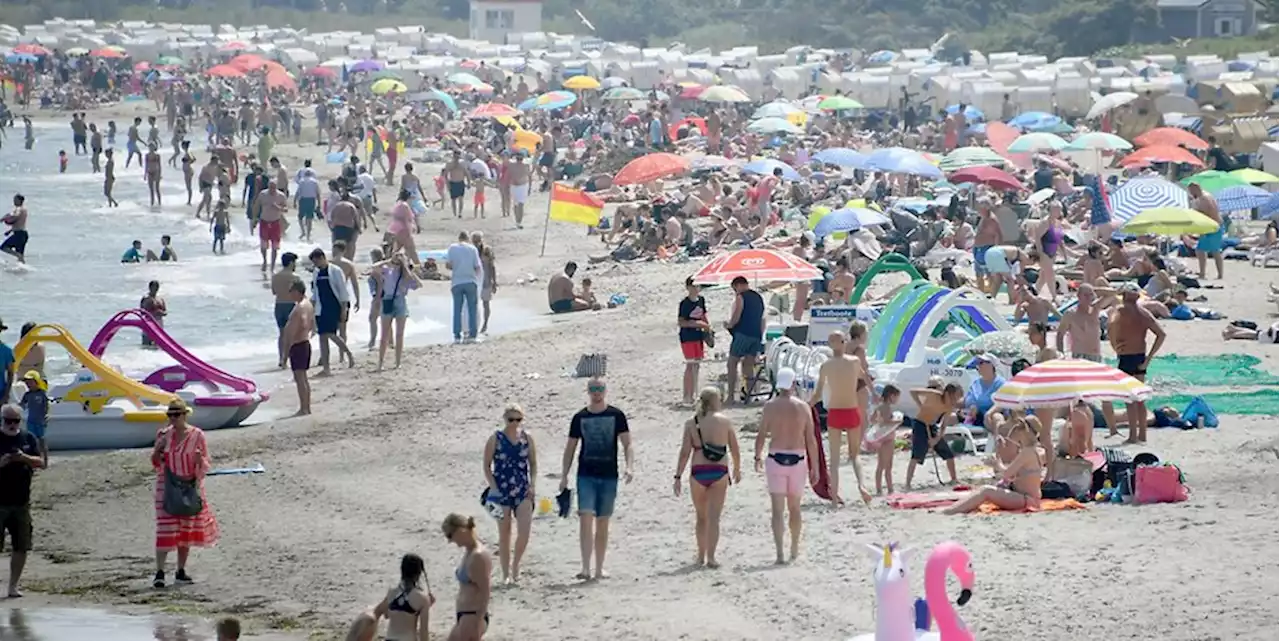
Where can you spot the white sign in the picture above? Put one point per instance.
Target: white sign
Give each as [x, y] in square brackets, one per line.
[824, 319]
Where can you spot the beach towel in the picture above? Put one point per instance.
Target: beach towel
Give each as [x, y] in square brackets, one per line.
[823, 488]
[924, 500]
[1047, 505]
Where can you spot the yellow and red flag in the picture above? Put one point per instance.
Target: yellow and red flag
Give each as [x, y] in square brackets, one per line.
[575, 206]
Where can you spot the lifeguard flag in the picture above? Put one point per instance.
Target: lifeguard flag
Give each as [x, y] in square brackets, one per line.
[575, 206]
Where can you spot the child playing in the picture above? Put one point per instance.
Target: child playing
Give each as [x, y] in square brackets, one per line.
[36, 402]
[477, 199]
[936, 412]
[586, 293]
[62, 161]
[881, 438]
[440, 199]
[219, 223]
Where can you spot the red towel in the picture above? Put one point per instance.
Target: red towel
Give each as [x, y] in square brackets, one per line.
[823, 488]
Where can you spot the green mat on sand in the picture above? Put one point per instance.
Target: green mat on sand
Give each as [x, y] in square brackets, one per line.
[1228, 370]
[1264, 402]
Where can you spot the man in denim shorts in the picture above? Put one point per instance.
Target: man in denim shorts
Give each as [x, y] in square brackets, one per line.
[598, 427]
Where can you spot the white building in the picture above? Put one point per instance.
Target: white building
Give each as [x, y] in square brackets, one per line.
[494, 20]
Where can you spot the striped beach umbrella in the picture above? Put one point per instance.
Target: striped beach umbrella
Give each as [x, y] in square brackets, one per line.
[1141, 194]
[1060, 382]
[1271, 208]
[1242, 198]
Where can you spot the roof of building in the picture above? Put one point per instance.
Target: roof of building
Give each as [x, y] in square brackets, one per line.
[506, 1]
[1180, 4]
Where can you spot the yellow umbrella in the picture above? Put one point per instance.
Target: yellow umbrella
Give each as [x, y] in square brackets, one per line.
[1254, 176]
[508, 121]
[527, 141]
[388, 85]
[798, 118]
[580, 83]
[1170, 221]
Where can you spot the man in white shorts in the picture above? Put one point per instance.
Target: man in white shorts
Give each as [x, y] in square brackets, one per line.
[519, 175]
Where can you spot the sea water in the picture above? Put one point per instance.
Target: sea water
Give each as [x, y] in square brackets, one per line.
[74, 624]
[220, 307]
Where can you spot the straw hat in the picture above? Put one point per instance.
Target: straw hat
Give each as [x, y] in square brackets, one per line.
[179, 405]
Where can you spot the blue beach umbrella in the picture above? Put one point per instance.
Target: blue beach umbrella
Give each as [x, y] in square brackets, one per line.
[1140, 194]
[1035, 121]
[841, 157]
[899, 160]
[1269, 209]
[1242, 198]
[15, 58]
[848, 219]
[434, 95]
[765, 167]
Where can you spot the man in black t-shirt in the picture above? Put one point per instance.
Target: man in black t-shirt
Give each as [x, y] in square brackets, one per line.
[694, 326]
[599, 427]
[19, 456]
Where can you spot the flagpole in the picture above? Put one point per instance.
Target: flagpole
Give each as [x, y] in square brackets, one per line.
[547, 225]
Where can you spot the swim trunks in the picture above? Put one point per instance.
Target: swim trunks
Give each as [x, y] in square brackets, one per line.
[300, 356]
[920, 435]
[693, 351]
[306, 208]
[519, 193]
[996, 261]
[562, 306]
[344, 233]
[1211, 243]
[844, 418]
[547, 159]
[980, 259]
[282, 310]
[786, 472]
[1097, 358]
[1132, 364]
[16, 241]
[457, 189]
[269, 231]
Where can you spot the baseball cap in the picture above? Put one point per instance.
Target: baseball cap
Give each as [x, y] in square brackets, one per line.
[987, 357]
[786, 379]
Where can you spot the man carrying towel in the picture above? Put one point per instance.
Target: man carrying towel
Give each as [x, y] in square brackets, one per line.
[787, 425]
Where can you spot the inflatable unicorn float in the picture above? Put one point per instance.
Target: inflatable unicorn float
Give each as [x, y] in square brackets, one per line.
[898, 618]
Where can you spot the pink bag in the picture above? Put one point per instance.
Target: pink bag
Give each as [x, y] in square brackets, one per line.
[1159, 484]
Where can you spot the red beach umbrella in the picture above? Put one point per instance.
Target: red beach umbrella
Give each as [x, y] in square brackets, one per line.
[32, 49]
[762, 265]
[1161, 153]
[106, 53]
[991, 176]
[322, 72]
[1171, 136]
[225, 71]
[650, 168]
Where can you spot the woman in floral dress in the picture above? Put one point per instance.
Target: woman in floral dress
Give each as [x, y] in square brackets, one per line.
[181, 448]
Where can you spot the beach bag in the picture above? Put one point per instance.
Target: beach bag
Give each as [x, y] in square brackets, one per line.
[1076, 473]
[1197, 410]
[181, 496]
[592, 365]
[1159, 484]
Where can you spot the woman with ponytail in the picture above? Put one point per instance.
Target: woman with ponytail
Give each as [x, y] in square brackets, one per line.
[708, 439]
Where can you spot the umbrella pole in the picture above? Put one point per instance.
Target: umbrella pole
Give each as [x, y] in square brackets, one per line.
[546, 226]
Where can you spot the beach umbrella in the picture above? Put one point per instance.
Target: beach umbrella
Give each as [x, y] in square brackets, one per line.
[971, 157]
[899, 160]
[464, 79]
[1254, 176]
[386, 73]
[839, 103]
[1242, 198]
[581, 83]
[624, 93]
[723, 93]
[388, 85]
[773, 126]
[971, 113]
[492, 110]
[760, 265]
[848, 219]
[170, 60]
[841, 157]
[1171, 136]
[991, 176]
[765, 167]
[1269, 209]
[554, 100]
[367, 66]
[14, 58]
[1109, 102]
[1161, 153]
[612, 82]
[281, 80]
[1098, 141]
[106, 53]
[1035, 121]
[142, 66]
[1170, 221]
[247, 62]
[1027, 143]
[77, 51]
[703, 162]
[1063, 381]
[775, 109]
[1042, 195]
[434, 95]
[1141, 194]
[322, 72]
[31, 48]
[224, 71]
[651, 167]
[1213, 181]
[235, 45]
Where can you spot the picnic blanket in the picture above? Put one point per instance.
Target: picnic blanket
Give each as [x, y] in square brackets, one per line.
[1046, 505]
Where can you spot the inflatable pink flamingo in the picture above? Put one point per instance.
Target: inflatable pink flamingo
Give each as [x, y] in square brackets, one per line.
[948, 556]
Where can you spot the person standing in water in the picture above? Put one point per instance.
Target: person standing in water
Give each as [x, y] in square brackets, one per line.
[709, 437]
[152, 164]
[206, 181]
[269, 209]
[15, 242]
[155, 307]
[306, 199]
[109, 179]
[188, 170]
[839, 377]
[786, 424]
[131, 145]
[95, 146]
[281, 287]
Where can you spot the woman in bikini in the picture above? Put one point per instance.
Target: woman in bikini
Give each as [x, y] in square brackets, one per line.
[511, 468]
[474, 591]
[407, 605]
[709, 438]
[1019, 488]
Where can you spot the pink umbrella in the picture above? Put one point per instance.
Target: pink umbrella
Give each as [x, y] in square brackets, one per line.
[991, 176]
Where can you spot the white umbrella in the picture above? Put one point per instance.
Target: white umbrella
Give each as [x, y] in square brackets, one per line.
[1027, 143]
[773, 126]
[1042, 195]
[1109, 102]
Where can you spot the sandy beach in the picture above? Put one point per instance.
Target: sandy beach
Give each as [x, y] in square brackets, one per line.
[387, 455]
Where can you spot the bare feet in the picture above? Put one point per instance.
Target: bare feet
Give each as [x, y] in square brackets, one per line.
[301, 413]
[600, 575]
[866, 496]
[780, 560]
[324, 374]
[712, 565]
[583, 576]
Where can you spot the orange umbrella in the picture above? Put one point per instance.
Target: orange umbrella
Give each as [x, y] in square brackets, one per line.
[31, 49]
[1161, 153]
[106, 53]
[493, 110]
[225, 71]
[280, 80]
[274, 67]
[322, 72]
[1171, 136]
[650, 168]
[246, 62]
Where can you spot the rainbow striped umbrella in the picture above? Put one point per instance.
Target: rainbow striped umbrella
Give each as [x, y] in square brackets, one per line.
[1060, 382]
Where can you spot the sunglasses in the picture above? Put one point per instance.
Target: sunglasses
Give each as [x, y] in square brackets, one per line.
[12, 420]
[595, 389]
[515, 419]
[176, 414]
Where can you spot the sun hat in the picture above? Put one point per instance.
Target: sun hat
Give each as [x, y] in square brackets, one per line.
[786, 379]
[989, 358]
[179, 405]
[33, 375]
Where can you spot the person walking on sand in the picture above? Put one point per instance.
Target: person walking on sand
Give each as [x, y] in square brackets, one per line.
[181, 454]
[598, 427]
[511, 469]
[348, 267]
[471, 608]
[519, 174]
[329, 296]
[840, 377]
[297, 335]
[488, 280]
[455, 173]
[1127, 329]
[709, 437]
[396, 279]
[691, 317]
[407, 606]
[786, 424]
[17, 467]
[746, 327]
[281, 288]
[465, 273]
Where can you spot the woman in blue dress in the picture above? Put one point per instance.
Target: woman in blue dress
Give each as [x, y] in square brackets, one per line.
[511, 466]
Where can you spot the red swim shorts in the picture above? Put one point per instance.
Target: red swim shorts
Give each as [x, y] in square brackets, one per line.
[844, 418]
[693, 350]
[269, 232]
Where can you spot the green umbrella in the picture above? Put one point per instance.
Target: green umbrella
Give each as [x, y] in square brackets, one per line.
[1214, 181]
[386, 73]
[624, 93]
[839, 103]
[971, 157]
[170, 60]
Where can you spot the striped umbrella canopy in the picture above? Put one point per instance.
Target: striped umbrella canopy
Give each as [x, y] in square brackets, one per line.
[1242, 198]
[1141, 194]
[971, 157]
[1271, 208]
[760, 265]
[1061, 382]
